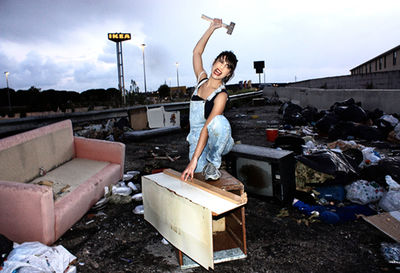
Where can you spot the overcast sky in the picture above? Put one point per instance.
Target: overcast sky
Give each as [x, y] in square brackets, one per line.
[63, 45]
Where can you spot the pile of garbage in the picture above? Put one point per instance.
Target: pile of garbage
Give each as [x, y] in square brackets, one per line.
[112, 130]
[31, 257]
[125, 191]
[345, 178]
[342, 184]
[344, 120]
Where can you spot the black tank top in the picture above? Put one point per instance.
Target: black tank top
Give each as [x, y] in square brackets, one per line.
[209, 103]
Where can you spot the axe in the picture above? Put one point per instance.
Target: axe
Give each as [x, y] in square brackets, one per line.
[228, 27]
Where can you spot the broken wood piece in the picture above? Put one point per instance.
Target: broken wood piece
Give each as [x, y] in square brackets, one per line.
[236, 199]
[387, 222]
[46, 183]
[64, 189]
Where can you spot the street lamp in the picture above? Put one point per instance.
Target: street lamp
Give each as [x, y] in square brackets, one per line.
[144, 68]
[8, 91]
[177, 73]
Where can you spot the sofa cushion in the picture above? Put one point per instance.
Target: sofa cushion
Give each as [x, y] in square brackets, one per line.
[70, 175]
[23, 155]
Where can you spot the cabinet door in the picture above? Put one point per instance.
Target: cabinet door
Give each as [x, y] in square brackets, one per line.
[185, 224]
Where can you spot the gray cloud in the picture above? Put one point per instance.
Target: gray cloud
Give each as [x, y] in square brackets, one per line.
[68, 49]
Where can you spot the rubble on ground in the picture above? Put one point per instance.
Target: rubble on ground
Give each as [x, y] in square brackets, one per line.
[336, 151]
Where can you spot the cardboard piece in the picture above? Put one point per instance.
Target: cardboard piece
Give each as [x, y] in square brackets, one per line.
[388, 223]
[155, 117]
[158, 117]
[138, 118]
[172, 118]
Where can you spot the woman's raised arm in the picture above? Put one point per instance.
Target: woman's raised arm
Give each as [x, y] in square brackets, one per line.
[199, 48]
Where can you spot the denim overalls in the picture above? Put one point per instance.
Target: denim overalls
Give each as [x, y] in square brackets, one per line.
[219, 142]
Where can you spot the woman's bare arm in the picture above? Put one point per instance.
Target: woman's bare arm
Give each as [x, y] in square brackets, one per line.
[199, 48]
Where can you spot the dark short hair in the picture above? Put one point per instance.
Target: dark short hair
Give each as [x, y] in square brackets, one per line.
[231, 59]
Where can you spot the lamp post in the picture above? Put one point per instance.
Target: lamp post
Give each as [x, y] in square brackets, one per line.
[144, 68]
[177, 73]
[8, 91]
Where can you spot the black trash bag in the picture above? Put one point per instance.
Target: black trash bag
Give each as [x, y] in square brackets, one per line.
[283, 107]
[6, 246]
[384, 126]
[354, 157]
[292, 114]
[330, 162]
[375, 115]
[391, 166]
[310, 114]
[342, 130]
[326, 122]
[343, 103]
[290, 143]
[289, 108]
[373, 173]
[121, 123]
[352, 112]
[295, 119]
[305, 197]
[338, 110]
[386, 166]
[369, 132]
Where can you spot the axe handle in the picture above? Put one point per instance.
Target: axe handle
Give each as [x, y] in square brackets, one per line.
[211, 19]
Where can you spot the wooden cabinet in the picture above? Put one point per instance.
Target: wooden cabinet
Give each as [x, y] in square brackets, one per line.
[204, 221]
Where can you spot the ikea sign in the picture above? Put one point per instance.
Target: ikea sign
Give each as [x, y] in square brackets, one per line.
[119, 37]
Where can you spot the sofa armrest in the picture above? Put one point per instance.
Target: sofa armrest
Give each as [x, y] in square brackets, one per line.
[102, 150]
[26, 212]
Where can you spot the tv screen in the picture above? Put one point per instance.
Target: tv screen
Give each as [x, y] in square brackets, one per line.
[264, 171]
[256, 175]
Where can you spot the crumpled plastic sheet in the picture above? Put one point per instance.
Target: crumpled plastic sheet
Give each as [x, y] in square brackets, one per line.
[391, 199]
[35, 257]
[138, 209]
[391, 252]
[328, 162]
[364, 192]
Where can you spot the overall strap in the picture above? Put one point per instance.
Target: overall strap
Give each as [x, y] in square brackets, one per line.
[198, 85]
[198, 78]
[216, 91]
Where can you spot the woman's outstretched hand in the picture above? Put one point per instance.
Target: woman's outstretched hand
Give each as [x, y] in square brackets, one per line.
[216, 23]
[189, 171]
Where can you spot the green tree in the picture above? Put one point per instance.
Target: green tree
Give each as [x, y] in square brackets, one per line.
[164, 91]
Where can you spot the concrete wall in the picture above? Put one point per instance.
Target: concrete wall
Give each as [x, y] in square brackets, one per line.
[379, 80]
[385, 99]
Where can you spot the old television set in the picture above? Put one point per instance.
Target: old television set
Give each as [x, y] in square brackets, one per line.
[264, 171]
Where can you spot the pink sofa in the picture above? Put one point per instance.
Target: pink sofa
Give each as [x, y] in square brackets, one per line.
[49, 179]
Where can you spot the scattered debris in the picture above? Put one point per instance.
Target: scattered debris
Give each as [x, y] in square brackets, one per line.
[137, 197]
[139, 209]
[37, 257]
[391, 252]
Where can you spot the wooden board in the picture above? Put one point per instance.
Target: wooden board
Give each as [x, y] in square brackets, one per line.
[208, 187]
[185, 224]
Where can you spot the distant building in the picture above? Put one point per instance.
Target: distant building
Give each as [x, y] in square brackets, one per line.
[387, 61]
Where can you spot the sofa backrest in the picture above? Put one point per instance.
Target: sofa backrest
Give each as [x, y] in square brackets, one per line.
[23, 155]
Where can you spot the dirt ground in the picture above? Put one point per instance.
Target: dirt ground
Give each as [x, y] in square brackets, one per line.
[114, 239]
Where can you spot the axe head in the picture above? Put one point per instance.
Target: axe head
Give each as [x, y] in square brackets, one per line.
[230, 28]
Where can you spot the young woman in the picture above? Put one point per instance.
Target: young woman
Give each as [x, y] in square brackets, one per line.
[210, 132]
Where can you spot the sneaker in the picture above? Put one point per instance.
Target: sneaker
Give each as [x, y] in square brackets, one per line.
[210, 172]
